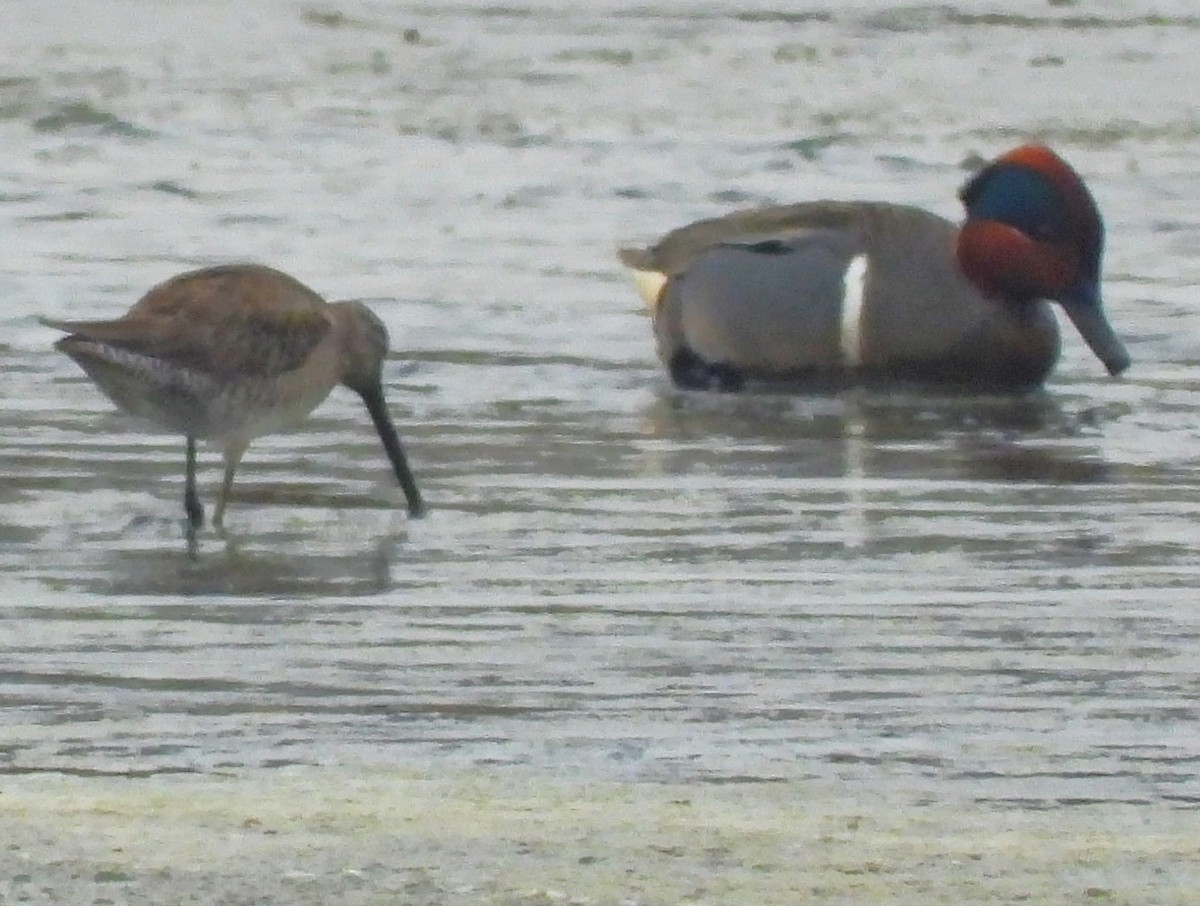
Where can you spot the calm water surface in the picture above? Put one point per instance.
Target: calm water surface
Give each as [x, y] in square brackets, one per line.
[988, 599]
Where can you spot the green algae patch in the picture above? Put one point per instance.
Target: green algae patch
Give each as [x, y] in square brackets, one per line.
[303, 835]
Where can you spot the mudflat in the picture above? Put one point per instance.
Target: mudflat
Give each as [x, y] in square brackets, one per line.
[323, 835]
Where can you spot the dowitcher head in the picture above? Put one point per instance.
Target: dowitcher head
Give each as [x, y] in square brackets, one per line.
[364, 346]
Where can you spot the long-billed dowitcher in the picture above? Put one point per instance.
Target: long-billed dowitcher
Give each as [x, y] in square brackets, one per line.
[231, 353]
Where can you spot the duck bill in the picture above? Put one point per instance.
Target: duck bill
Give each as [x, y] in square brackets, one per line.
[395, 451]
[1087, 315]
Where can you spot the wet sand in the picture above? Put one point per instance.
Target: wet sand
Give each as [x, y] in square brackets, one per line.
[322, 835]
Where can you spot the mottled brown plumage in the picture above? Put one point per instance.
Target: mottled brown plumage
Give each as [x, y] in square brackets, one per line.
[231, 353]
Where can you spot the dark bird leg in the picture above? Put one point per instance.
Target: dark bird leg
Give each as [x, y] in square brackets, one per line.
[191, 502]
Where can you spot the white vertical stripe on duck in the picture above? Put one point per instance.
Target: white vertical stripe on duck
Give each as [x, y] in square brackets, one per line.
[854, 284]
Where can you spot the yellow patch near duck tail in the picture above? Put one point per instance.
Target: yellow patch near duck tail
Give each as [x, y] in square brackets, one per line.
[649, 285]
[854, 284]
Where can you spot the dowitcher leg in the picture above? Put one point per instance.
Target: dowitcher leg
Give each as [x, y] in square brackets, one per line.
[191, 502]
[233, 456]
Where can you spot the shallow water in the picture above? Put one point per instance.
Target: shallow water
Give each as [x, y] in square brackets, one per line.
[954, 599]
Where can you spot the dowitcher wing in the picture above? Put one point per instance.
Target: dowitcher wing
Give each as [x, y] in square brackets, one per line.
[192, 350]
[226, 322]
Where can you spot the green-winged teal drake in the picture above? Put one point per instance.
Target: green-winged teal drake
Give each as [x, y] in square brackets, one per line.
[836, 293]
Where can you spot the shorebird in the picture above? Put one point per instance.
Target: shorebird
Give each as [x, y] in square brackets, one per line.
[832, 292]
[230, 353]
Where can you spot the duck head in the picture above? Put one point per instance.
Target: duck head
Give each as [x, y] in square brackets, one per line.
[1033, 231]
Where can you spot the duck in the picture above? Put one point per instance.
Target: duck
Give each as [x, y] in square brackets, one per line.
[842, 293]
[233, 352]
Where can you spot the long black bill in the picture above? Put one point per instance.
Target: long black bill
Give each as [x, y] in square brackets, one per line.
[391, 443]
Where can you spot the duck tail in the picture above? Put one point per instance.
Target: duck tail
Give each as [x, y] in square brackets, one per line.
[648, 280]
